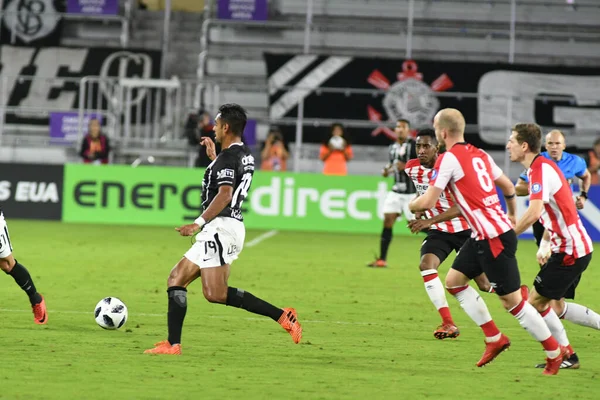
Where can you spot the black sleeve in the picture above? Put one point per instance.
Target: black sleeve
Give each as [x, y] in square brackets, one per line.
[225, 169]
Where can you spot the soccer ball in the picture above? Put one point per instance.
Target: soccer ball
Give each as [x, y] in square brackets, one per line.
[110, 313]
[337, 142]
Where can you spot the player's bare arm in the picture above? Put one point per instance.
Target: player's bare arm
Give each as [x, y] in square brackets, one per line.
[221, 200]
[544, 251]
[417, 225]
[508, 189]
[533, 213]
[400, 165]
[426, 201]
[386, 170]
[522, 188]
[211, 151]
[586, 181]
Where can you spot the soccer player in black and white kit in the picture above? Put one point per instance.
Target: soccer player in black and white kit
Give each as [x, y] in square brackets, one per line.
[225, 186]
[403, 191]
[12, 267]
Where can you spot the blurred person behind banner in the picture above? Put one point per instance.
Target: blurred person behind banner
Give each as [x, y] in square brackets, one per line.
[274, 154]
[336, 151]
[95, 146]
[199, 125]
[593, 162]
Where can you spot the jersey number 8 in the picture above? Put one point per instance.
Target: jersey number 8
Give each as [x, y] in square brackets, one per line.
[485, 181]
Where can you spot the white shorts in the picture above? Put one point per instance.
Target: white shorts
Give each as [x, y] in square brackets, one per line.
[396, 203]
[5, 245]
[220, 242]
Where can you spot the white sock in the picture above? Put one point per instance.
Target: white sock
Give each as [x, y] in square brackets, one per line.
[581, 315]
[435, 289]
[473, 304]
[556, 327]
[533, 323]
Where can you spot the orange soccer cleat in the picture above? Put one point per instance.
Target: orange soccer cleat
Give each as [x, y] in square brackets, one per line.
[40, 315]
[553, 364]
[493, 349]
[446, 331]
[379, 263]
[164, 347]
[289, 322]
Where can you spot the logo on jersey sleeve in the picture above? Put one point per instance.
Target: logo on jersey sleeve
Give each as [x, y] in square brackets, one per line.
[225, 173]
[434, 174]
[536, 188]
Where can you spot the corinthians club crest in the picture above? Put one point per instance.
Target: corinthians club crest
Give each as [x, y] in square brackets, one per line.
[409, 98]
[31, 19]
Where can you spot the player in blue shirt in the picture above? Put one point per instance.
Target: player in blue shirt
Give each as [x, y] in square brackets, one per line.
[571, 166]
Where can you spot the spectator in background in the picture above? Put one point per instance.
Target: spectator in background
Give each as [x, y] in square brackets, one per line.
[95, 146]
[274, 154]
[336, 152]
[198, 126]
[593, 162]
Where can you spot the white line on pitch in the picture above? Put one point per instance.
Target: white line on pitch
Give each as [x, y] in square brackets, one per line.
[308, 321]
[210, 316]
[260, 238]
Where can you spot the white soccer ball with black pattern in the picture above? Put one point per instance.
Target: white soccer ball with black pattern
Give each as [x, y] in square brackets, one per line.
[110, 313]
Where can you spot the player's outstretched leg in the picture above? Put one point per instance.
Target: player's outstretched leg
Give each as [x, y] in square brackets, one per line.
[286, 317]
[435, 290]
[578, 314]
[216, 290]
[22, 277]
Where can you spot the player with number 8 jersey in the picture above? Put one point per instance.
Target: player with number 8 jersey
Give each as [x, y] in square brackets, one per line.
[472, 176]
[220, 235]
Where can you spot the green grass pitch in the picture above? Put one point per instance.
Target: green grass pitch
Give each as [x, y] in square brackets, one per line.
[367, 333]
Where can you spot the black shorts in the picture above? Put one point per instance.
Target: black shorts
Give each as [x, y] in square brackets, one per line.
[555, 280]
[476, 257]
[441, 244]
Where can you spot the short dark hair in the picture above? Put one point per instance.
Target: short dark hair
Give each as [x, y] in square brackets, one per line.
[404, 120]
[427, 132]
[235, 116]
[337, 125]
[530, 134]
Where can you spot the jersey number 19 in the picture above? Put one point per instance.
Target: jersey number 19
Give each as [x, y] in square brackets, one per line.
[242, 191]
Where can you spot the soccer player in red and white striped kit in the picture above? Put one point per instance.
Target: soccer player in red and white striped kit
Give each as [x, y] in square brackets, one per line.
[447, 231]
[472, 176]
[551, 202]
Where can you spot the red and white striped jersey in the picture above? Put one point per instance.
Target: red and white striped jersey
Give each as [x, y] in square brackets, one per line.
[560, 217]
[421, 176]
[470, 173]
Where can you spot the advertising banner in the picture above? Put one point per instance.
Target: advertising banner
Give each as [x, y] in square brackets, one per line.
[249, 10]
[35, 23]
[51, 75]
[170, 196]
[31, 191]
[64, 126]
[95, 7]
[561, 97]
